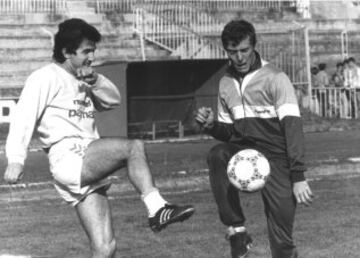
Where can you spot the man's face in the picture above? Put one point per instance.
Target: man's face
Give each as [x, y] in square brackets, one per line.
[340, 68]
[352, 64]
[241, 56]
[83, 56]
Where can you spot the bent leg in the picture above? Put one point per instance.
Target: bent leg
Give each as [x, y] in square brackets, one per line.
[104, 156]
[226, 195]
[95, 217]
[280, 207]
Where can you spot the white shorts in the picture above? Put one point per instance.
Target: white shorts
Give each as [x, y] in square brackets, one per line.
[66, 161]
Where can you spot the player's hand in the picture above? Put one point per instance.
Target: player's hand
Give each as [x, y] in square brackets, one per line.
[303, 193]
[87, 74]
[205, 117]
[14, 172]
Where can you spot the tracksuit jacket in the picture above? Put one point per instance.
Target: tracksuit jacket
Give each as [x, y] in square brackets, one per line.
[261, 109]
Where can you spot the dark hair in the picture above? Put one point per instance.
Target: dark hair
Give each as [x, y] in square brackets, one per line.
[236, 31]
[351, 59]
[70, 35]
[322, 66]
[339, 64]
[314, 70]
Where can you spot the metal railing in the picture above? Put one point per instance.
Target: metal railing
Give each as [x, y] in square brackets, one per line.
[32, 6]
[156, 129]
[209, 5]
[192, 34]
[29, 6]
[336, 102]
[103, 6]
[175, 33]
[350, 43]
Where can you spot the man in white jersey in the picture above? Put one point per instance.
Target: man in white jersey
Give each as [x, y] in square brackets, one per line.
[59, 100]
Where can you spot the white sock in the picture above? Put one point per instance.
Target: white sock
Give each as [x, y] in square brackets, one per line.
[153, 202]
[233, 230]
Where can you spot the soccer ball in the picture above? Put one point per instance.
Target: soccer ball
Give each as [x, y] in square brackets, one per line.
[248, 170]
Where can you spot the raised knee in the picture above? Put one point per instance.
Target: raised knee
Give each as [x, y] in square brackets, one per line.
[137, 146]
[105, 249]
[218, 153]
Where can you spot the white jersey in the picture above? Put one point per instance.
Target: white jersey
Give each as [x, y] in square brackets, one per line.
[58, 106]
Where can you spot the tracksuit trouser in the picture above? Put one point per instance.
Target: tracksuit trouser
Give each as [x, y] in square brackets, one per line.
[277, 195]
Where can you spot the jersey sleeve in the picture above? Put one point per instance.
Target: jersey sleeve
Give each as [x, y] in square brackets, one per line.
[35, 96]
[105, 94]
[288, 112]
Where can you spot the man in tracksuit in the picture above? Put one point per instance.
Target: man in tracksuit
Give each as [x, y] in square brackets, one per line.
[257, 108]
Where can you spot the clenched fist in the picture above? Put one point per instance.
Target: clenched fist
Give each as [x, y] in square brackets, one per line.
[14, 172]
[87, 74]
[205, 117]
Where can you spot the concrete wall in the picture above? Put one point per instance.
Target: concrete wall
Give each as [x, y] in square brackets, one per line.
[334, 9]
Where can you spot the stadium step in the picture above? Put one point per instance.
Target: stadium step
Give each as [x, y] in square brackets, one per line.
[103, 52]
[26, 42]
[37, 41]
[16, 30]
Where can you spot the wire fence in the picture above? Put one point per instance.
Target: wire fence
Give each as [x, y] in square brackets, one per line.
[336, 102]
[192, 34]
[209, 5]
[32, 6]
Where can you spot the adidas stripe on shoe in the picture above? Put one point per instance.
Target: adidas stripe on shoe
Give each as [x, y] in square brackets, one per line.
[169, 214]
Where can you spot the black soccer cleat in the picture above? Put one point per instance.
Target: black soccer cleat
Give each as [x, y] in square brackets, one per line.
[169, 214]
[241, 244]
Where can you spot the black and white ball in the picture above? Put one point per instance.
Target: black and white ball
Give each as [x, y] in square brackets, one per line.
[248, 170]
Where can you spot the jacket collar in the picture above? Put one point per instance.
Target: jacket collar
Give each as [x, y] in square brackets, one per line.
[254, 66]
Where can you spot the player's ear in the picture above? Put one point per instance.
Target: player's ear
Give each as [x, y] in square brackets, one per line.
[65, 53]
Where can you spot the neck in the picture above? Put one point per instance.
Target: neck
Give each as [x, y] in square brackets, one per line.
[68, 67]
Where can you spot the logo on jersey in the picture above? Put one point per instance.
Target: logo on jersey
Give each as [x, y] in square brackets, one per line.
[81, 110]
[262, 111]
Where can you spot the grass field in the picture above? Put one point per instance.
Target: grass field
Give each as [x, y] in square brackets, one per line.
[329, 228]
[165, 158]
[49, 228]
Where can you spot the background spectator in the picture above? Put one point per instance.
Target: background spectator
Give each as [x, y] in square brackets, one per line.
[322, 76]
[314, 71]
[354, 73]
[338, 79]
[355, 84]
[346, 72]
[322, 79]
[338, 76]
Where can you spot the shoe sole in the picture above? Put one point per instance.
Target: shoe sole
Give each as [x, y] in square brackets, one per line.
[186, 214]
